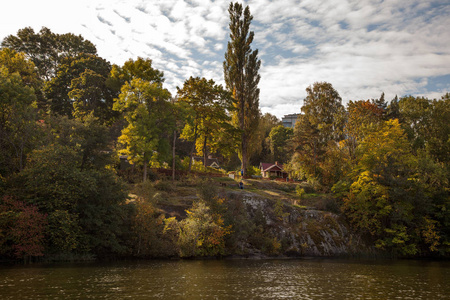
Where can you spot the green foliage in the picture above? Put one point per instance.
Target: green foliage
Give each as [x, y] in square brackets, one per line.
[133, 69]
[149, 118]
[279, 210]
[260, 145]
[79, 87]
[316, 134]
[164, 185]
[252, 170]
[46, 49]
[390, 193]
[83, 200]
[299, 191]
[18, 128]
[16, 62]
[149, 239]
[202, 233]
[241, 72]
[278, 139]
[206, 106]
[64, 231]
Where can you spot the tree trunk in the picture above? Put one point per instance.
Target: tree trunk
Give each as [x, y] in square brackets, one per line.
[173, 154]
[145, 169]
[192, 149]
[205, 155]
[244, 154]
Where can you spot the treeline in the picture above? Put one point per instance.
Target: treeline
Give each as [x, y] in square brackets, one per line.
[387, 164]
[66, 115]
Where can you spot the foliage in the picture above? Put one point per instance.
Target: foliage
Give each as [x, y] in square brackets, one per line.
[389, 197]
[206, 105]
[241, 72]
[278, 138]
[202, 233]
[84, 202]
[18, 121]
[22, 229]
[260, 145]
[149, 118]
[66, 113]
[46, 49]
[148, 232]
[63, 232]
[133, 69]
[299, 191]
[16, 62]
[317, 131]
[279, 210]
[79, 87]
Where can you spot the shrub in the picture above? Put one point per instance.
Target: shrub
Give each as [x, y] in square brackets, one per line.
[166, 186]
[300, 191]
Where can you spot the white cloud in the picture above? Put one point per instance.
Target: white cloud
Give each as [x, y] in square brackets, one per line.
[362, 47]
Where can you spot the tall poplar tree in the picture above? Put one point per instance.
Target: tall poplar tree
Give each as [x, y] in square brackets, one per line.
[241, 72]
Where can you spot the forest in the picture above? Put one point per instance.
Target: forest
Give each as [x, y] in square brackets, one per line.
[67, 116]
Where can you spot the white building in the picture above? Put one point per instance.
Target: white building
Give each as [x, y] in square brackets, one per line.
[290, 120]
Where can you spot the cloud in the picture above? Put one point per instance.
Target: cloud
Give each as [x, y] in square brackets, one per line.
[362, 47]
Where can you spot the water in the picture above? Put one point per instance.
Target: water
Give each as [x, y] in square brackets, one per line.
[229, 279]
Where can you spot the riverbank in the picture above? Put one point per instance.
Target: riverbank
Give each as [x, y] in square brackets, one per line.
[265, 219]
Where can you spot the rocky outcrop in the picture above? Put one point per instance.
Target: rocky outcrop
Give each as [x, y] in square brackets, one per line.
[299, 231]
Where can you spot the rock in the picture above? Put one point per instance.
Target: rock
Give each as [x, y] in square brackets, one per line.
[299, 232]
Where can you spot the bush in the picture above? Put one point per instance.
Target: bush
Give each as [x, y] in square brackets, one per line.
[300, 191]
[253, 171]
[166, 186]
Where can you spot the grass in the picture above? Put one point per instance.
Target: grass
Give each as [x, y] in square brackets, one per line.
[184, 191]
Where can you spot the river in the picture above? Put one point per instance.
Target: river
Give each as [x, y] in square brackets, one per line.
[229, 279]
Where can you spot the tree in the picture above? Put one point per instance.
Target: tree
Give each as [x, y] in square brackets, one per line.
[415, 119]
[393, 194]
[18, 121]
[207, 113]
[241, 72]
[361, 116]
[47, 49]
[427, 124]
[318, 128]
[80, 86]
[260, 144]
[132, 69]
[278, 138]
[438, 142]
[21, 229]
[16, 62]
[149, 118]
[202, 233]
[91, 94]
[85, 206]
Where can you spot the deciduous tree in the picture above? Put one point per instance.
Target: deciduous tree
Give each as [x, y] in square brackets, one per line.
[47, 49]
[149, 116]
[241, 72]
[207, 105]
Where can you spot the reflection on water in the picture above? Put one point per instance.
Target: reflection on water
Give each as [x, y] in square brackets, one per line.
[229, 279]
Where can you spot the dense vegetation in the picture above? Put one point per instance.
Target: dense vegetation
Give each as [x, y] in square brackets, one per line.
[66, 115]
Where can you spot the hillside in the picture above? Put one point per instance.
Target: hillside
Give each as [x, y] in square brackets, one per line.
[267, 218]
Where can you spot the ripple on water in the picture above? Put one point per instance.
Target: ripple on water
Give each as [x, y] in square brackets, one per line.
[229, 279]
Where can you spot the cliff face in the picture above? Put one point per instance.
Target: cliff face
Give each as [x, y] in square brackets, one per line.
[290, 230]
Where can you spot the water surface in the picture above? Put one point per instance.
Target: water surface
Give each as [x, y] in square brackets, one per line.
[229, 279]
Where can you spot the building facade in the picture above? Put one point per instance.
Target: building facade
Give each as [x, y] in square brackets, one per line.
[290, 120]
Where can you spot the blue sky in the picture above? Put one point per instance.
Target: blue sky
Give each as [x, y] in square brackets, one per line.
[363, 48]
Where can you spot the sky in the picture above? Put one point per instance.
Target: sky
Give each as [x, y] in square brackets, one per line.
[361, 47]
